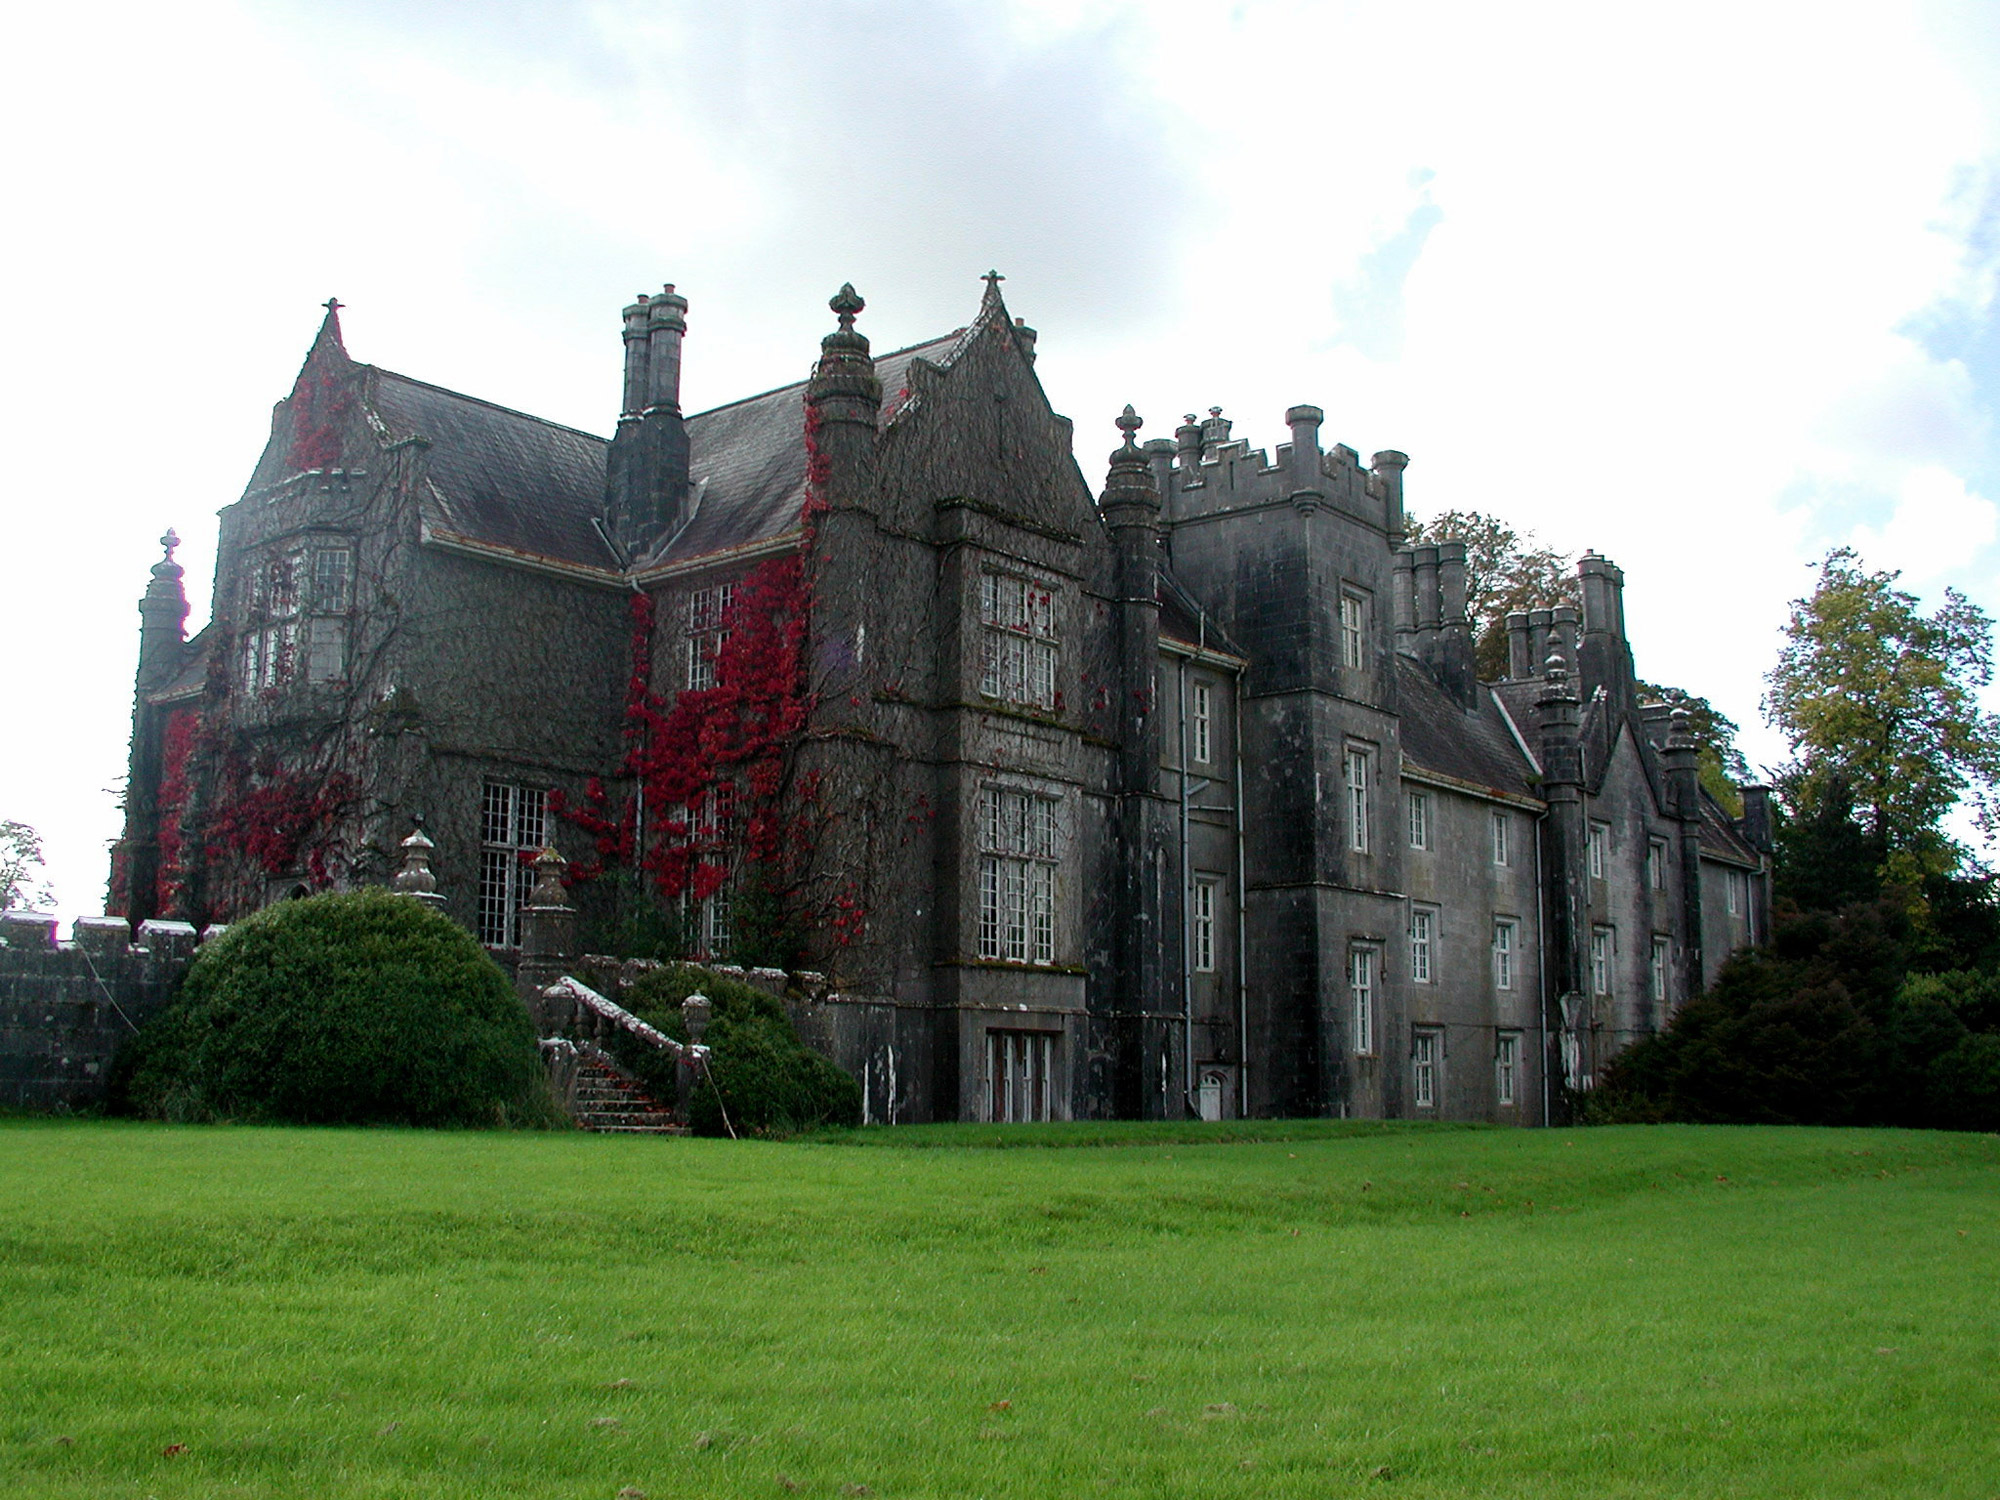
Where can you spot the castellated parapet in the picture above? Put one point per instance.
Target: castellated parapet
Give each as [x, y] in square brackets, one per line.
[65, 1007]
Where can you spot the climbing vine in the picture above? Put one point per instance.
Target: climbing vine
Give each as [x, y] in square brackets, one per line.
[177, 751]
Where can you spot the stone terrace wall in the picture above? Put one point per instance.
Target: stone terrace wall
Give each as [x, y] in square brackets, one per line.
[66, 1006]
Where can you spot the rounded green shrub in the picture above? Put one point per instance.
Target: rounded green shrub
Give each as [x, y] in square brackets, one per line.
[759, 1071]
[357, 1008]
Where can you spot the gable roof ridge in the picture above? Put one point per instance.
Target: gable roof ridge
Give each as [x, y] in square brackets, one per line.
[510, 411]
[800, 385]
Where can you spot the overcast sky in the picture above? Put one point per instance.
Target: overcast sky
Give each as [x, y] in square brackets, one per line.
[1708, 288]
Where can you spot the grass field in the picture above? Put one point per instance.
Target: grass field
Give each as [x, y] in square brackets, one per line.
[1317, 1310]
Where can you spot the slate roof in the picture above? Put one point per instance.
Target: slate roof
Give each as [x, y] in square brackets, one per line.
[1180, 620]
[1719, 835]
[191, 677]
[1441, 737]
[500, 476]
[748, 459]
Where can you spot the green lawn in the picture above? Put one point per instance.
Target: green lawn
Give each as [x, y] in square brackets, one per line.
[1318, 1311]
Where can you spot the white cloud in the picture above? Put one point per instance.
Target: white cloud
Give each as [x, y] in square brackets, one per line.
[1937, 526]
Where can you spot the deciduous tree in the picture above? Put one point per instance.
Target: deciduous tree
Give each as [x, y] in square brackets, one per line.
[1880, 703]
[1505, 571]
[20, 866]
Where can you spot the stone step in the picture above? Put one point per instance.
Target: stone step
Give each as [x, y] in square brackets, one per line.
[609, 1104]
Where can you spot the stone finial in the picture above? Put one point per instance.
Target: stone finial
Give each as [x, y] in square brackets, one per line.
[1130, 482]
[843, 385]
[695, 1011]
[847, 305]
[549, 889]
[415, 878]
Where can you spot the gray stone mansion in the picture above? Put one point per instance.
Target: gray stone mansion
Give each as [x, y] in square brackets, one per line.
[1168, 788]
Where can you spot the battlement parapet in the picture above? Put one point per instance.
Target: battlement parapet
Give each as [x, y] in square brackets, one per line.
[67, 1005]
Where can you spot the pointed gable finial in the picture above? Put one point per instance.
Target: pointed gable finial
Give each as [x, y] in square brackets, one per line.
[170, 541]
[329, 336]
[992, 306]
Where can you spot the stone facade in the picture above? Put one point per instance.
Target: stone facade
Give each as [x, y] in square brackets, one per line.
[1177, 797]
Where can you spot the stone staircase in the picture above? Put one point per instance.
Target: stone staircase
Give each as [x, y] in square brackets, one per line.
[606, 1100]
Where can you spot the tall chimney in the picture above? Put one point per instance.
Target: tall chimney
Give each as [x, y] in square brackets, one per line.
[666, 325]
[646, 472]
[636, 356]
[1403, 586]
[1388, 469]
[1520, 664]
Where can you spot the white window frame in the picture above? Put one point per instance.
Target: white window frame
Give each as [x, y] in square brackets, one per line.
[707, 609]
[1018, 840]
[1353, 629]
[1200, 713]
[1603, 955]
[1357, 771]
[1656, 864]
[1420, 819]
[1597, 839]
[1020, 657]
[1506, 944]
[1426, 1053]
[1206, 888]
[1503, 830]
[1662, 956]
[1423, 944]
[1736, 887]
[513, 819]
[1361, 975]
[1506, 1066]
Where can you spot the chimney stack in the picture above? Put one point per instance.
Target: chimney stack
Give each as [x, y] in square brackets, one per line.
[636, 358]
[646, 473]
[1520, 661]
[1388, 471]
[665, 327]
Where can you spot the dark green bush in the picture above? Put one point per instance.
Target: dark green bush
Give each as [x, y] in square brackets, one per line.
[770, 1082]
[1826, 1026]
[358, 1008]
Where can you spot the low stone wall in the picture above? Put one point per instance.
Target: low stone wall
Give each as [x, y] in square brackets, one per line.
[66, 1006]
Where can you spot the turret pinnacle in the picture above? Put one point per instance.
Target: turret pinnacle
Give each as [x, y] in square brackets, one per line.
[1130, 481]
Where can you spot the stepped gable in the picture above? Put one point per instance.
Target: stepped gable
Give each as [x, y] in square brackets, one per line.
[747, 460]
[500, 477]
[1440, 737]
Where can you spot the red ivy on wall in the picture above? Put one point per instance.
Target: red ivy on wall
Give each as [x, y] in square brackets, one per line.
[321, 406]
[273, 824]
[711, 768]
[183, 730]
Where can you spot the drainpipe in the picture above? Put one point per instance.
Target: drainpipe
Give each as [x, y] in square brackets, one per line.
[1187, 891]
[1541, 961]
[1242, 957]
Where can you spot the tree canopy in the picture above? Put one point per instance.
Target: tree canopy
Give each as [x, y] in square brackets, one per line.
[1880, 702]
[1722, 766]
[20, 866]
